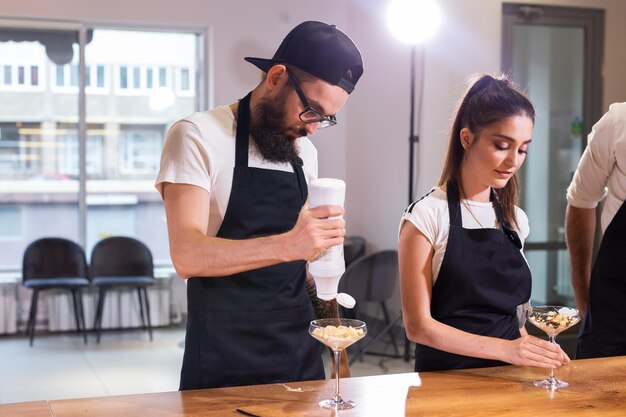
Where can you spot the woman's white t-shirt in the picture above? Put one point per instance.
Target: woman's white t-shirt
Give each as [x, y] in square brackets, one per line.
[431, 217]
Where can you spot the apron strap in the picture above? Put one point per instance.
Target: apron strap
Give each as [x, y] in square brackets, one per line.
[243, 125]
[497, 207]
[297, 168]
[506, 226]
[454, 204]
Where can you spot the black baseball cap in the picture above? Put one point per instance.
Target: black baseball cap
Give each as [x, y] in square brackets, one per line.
[321, 50]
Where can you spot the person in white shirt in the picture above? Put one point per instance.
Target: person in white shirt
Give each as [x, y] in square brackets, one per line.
[600, 293]
[463, 277]
[234, 184]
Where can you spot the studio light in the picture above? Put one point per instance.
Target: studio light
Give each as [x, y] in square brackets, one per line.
[413, 22]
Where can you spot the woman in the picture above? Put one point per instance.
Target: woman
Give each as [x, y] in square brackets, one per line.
[463, 277]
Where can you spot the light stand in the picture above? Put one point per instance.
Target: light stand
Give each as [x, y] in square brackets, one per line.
[413, 21]
[413, 138]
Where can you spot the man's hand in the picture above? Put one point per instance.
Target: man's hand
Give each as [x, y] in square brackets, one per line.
[315, 231]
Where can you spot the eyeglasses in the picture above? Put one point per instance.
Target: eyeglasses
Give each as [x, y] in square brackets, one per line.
[310, 115]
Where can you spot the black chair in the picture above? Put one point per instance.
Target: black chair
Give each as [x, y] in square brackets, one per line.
[353, 248]
[55, 263]
[373, 278]
[122, 262]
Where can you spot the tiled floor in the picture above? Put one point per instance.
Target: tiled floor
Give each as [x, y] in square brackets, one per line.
[61, 366]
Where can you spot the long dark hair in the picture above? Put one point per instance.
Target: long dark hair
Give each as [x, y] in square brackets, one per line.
[488, 100]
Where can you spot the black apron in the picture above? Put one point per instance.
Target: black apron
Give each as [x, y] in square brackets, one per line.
[482, 280]
[252, 327]
[603, 331]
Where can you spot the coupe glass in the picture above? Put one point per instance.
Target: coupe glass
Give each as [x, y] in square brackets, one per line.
[337, 334]
[553, 320]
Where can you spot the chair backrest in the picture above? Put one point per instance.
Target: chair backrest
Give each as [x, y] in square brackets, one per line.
[353, 248]
[373, 277]
[54, 257]
[121, 256]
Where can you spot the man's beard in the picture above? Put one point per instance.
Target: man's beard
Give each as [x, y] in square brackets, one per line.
[270, 133]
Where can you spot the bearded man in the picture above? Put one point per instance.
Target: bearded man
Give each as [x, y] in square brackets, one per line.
[234, 184]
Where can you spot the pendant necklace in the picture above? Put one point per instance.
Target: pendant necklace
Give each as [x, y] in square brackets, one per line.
[472, 214]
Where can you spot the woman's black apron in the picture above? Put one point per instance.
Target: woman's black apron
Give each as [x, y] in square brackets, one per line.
[252, 327]
[482, 280]
[603, 331]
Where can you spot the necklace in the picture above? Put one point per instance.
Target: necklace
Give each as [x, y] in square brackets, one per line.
[472, 214]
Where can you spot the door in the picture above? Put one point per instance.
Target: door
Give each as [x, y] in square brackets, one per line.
[556, 54]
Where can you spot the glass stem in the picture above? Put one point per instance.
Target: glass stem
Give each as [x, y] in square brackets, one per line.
[552, 340]
[337, 358]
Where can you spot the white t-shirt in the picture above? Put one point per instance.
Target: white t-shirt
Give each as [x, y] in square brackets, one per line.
[431, 217]
[603, 166]
[200, 150]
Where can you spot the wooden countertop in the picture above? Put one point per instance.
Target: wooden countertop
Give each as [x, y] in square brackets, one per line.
[597, 387]
[29, 409]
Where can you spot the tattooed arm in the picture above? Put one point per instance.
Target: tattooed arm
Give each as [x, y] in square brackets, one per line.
[327, 309]
[323, 309]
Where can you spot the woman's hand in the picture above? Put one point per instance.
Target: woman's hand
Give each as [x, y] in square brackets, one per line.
[532, 351]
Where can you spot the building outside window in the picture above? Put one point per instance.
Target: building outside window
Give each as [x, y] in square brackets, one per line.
[125, 126]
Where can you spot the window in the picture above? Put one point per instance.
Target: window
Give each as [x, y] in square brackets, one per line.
[140, 80]
[8, 75]
[149, 72]
[66, 78]
[67, 155]
[73, 75]
[100, 76]
[60, 76]
[21, 150]
[34, 75]
[87, 76]
[141, 149]
[162, 77]
[123, 77]
[184, 79]
[126, 123]
[19, 77]
[185, 83]
[12, 221]
[136, 78]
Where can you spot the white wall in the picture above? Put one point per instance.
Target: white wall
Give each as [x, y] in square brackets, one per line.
[468, 41]
[369, 147]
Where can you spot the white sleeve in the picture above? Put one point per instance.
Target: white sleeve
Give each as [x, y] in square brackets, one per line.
[424, 218]
[588, 187]
[184, 159]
